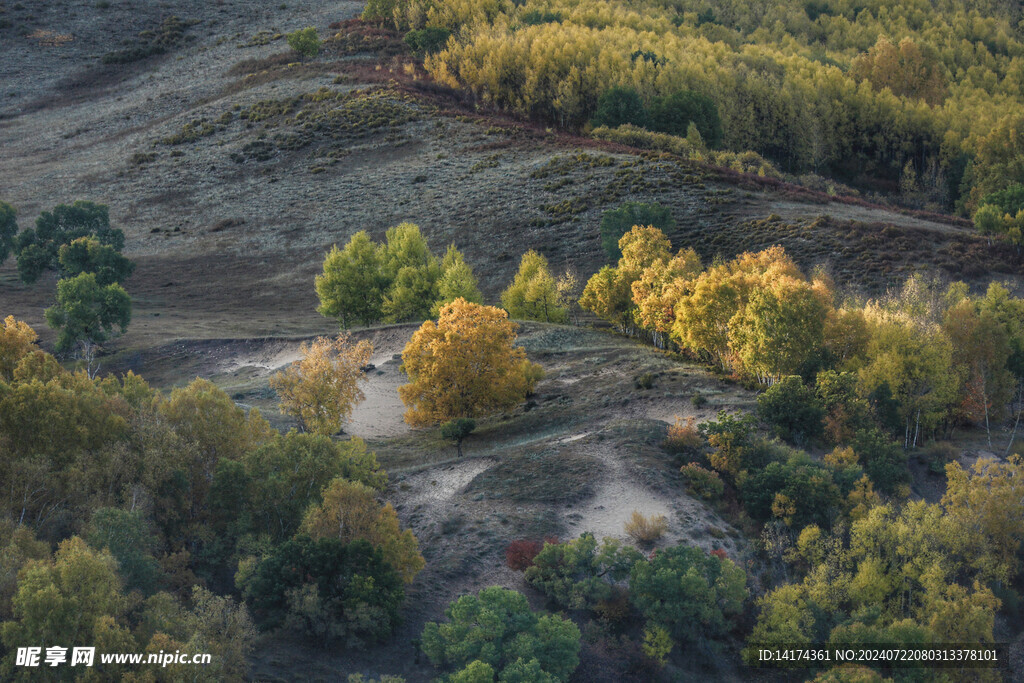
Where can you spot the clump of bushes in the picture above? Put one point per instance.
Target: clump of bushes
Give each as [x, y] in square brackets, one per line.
[702, 482]
[520, 554]
[684, 438]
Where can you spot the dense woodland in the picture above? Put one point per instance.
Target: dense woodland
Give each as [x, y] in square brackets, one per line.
[920, 100]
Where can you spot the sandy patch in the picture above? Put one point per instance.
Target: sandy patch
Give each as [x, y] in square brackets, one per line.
[440, 485]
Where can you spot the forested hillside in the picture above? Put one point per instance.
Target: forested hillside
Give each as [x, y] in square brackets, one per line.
[920, 98]
[511, 341]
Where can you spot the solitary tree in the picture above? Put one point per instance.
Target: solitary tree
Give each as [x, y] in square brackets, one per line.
[87, 313]
[322, 388]
[305, 41]
[457, 430]
[464, 365]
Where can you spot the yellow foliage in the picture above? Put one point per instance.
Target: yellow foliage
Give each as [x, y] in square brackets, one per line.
[465, 365]
[350, 511]
[646, 530]
[322, 388]
[17, 340]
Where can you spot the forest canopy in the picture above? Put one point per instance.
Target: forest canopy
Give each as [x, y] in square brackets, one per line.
[900, 97]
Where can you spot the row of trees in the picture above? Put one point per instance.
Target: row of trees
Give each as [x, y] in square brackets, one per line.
[172, 508]
[944, 357]
[401, 280]
[858, 90]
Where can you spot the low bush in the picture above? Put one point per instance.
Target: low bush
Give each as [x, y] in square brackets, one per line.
[684, 439]
[520, 554]
[702, 482]
[646, 530]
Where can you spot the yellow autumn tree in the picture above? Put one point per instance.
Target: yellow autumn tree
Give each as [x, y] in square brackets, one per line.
[17, 340]
[321, 389]
[350, 511]
[465, 365]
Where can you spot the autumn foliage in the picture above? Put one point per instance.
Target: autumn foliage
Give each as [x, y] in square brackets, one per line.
[519, 554]
[464, 365]
[321, 389]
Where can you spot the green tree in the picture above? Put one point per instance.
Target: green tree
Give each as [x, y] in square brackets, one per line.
[533, 294]
[497, 628]
[798, 491]
[457, 430]
[223, 628]
[792, 409]
[617, 222]
[352, 285]
[327, 589]
[914, 359]
[126, 536]
[427, 40]
[457, 282]
[286, 475]
[349, 511]
[87, 313]
[674, 113]
[305, 42]
[88, 255]
[68, 600]
[581, 573]
[38, 248]
[412, 273]
[692, 594]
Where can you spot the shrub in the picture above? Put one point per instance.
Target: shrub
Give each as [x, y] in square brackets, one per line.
[799, 491]
[305, 41]
[519, 554]
[684, 438]
[731, 437]
[938, 455]
[457, 430]
[882, 458]
[699, 400]
[657, 643]
[701, 482]
[617, 222]
[646, 530]
[644, 381]
[578, 574]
